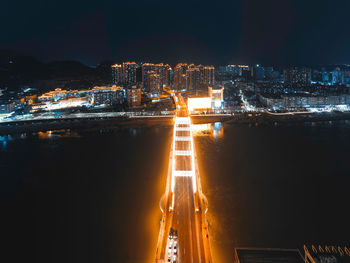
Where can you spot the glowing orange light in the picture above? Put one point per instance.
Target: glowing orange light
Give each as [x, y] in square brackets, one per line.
[199, 103]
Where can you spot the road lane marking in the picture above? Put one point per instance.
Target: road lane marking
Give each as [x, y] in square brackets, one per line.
[183, 128]
[182, 138]
[183, 173]
[183, 153]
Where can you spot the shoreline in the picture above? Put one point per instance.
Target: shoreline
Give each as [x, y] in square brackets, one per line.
[77, 124]
[167, 121]
[269, 119]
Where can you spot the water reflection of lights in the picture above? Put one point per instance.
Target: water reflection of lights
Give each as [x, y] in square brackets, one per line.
[4, 140]
[4, 144]
[56, 133]
[200, 129]
[133, 131]
[218, 130]
[217, 125]
[45, 135]
[215, 130]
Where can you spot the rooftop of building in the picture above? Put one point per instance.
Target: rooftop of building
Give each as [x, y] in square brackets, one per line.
[107, 88]
[216, 87]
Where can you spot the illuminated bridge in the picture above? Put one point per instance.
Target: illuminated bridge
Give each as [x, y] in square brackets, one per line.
[183, 234]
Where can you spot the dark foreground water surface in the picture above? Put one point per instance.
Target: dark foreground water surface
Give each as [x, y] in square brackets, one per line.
[94, 196]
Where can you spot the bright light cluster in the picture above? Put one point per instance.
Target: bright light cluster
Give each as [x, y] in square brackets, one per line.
[190, 173]
[330, 108]
[247, 105]
[62, 104]
[5, 116]
[199, 103]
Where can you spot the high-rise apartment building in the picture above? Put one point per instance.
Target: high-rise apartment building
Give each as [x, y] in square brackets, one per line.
[147, 67]
[117, 74]
[193, 79]
[170, 77]
[133, 95]
[217, 97]
[209, 75]
[180, 76]
[162, 70]
[152, 82]
[129, 73]
[124, 74]
[297, 77]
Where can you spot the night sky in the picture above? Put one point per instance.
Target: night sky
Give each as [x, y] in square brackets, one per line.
[208, 32]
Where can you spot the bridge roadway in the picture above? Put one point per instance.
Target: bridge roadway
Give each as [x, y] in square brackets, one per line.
[185, 221]
[183, 205]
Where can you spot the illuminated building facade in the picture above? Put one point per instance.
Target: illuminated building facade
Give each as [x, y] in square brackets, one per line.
[297, 77]
[258, 72]
[129, 73]
[236, 70]
[199, 104]
[133, 95]
[124, 74]
[147, 67]
[117, 74]
[61, 104]
[7, 107]
[217, 97]
[152, 81]
[209, 75]
[29, 100]
[63, 99]
[337, 76]
[162, 71]
[183, 77]
[170, 77]
[292, 102]
[193, 79]
[54, 95]
[229, 72]
[59, 94]
[108, 95]
[180, 77]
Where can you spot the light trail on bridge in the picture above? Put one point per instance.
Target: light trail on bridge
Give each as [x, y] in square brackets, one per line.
[191, 173]
[184, 207]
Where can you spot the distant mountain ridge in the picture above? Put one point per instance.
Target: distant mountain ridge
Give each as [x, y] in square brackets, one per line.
[28, 67]
[18, 70]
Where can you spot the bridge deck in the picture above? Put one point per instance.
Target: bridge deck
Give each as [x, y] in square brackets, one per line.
[184, 213]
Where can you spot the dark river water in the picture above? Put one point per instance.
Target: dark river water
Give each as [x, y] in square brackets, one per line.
[93, 196]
